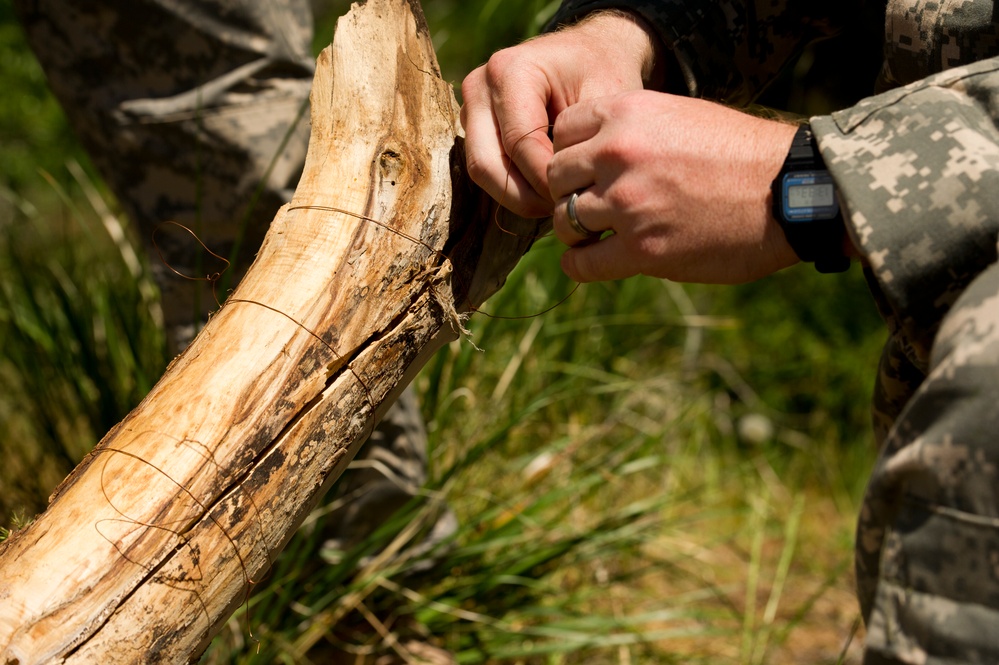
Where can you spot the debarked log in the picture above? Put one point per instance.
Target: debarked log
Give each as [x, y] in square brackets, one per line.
[151, 543]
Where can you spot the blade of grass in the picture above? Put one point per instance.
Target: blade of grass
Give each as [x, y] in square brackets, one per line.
[763, 638]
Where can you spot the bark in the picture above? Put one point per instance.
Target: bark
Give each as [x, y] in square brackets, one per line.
[152, 542]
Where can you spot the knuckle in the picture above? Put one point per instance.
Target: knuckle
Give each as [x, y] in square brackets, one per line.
[616, 154]
[620, 105]
[476, 167]
[500, 66]
[519, 144]
[472, 82]
[573, 265]
[647, 247]
[626, 198]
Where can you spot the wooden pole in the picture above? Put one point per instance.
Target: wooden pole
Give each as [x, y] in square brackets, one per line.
[153, 541]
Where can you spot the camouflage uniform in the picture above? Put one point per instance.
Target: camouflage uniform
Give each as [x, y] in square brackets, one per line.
[195, 111]
[917, 168]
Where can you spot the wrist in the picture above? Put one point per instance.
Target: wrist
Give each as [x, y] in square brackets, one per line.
[806, 206]
[626, 33]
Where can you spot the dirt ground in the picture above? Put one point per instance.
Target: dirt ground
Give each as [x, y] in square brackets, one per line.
[816, 621]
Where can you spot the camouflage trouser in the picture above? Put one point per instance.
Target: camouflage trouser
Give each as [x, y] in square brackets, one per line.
[195, 112]
[928, 536]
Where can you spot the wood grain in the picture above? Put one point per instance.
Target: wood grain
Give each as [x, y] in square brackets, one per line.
[153, 541]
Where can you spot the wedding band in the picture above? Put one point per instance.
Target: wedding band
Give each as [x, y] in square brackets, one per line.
[574, 222]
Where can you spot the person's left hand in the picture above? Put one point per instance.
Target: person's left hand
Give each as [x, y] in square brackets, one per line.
[683, 184]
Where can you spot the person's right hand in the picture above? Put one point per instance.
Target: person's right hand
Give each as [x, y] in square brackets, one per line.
[510, 101]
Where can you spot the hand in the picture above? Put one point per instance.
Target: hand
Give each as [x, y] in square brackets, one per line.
[683, 184]
[510, 102]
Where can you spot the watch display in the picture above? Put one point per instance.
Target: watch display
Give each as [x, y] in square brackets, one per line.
[808, 195]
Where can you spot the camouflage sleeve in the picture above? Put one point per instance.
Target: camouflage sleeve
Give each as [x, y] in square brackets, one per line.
[918, 173]
[728, 50]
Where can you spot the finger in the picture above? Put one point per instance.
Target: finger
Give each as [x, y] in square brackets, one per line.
[486, 159]
[519, 93]
[523, 124]
[576, 124]
[590, 222]
[571, 170]
[599, 261]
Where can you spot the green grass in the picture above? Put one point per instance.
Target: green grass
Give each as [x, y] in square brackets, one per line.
[79, 339]
[614, 504]
[591, 481]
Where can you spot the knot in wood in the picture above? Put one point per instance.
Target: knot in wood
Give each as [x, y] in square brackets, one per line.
[391, 164]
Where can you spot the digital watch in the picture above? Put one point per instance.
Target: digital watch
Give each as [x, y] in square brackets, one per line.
[806, 207]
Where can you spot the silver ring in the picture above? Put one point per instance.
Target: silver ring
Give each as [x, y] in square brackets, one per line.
[574, 222]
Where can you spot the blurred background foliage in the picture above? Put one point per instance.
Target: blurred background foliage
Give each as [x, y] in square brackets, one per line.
[650, 472]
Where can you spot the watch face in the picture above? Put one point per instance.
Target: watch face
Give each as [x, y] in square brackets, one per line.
[808, 196]
[818, 195]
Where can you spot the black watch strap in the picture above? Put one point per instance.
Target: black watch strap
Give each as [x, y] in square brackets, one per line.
[818, 241]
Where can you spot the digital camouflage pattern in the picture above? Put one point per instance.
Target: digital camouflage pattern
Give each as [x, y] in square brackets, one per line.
[195, 112]
[192, 111]
[917, 168]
